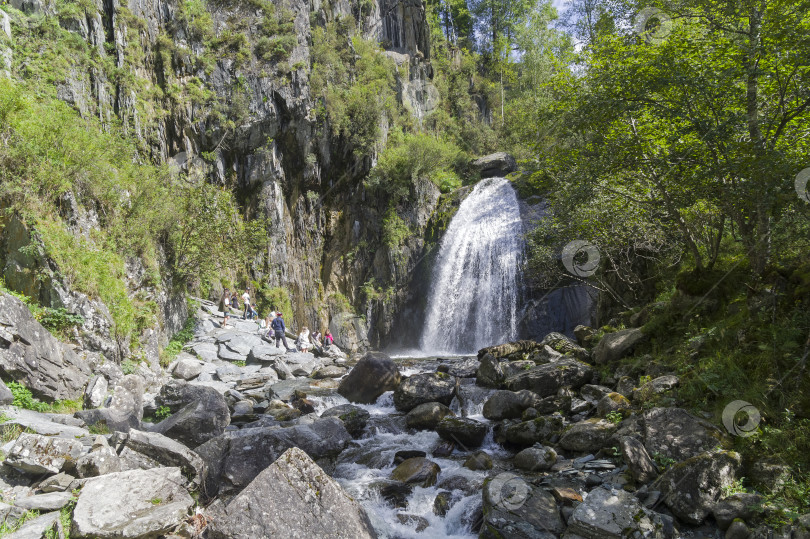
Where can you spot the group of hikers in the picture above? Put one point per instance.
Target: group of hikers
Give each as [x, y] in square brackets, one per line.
[274, 322]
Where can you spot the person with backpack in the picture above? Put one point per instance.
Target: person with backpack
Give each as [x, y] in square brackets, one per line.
[279, 328]
[249, 313]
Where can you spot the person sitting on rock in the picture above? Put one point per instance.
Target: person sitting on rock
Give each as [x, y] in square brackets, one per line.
[328, 340]
[315, 337]
[303, 340]
[278, 327]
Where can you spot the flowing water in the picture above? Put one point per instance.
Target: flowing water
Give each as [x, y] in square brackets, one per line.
[368, 462]
[475, 287]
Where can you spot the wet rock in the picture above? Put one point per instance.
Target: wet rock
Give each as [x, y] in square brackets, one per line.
[531, 432]
[402, 456]
[677, 434]
[35, 454]
[497, 164]
[742, 505]
[546, 380]
[135, 503]
[509, 404]
[419, 471]
[422, 388]
[478, 461]
[427, 416]
[32, 356]
[691, 488]
[536, 459]
[638, 461]
[415, 521]
[615, 514]
[354, 418]
[658, 386]
[443, 449]
[466, 368]
[373, 375]
[441, 504]
[514, 508]
[588, 436]
[614, 346]
[464, 431]
[306, 502]
[396, 494]
[612, 402]
[489, 373]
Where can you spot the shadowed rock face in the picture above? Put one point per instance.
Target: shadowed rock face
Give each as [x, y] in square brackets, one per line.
[373, 375]
[32, 356]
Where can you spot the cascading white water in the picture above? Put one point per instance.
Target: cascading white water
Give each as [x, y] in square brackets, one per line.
[475, 289]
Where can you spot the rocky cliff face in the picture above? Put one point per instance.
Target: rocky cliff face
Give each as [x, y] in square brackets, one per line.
[250, 121]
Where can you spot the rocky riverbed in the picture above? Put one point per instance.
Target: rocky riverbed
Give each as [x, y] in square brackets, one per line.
[237, 438]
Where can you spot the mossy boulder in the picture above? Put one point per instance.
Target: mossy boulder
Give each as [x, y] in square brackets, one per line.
[588, 436]
[426, 416]
[421, 388]
[465, 431]
[419, 471]
[538, 430]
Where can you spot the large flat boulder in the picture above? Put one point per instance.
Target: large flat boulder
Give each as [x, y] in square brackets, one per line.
[126, 407]
[131, 504]
[546, 380]
[421, 388]
[199, 413]
[163, 450]
[373, 375]
[236, 458]
[588, 436]
[515, 508]
[509, 404]
[677, 434]
[306, 502]
[35, 358]
[614, 346]
[614, 514]
[35, 454]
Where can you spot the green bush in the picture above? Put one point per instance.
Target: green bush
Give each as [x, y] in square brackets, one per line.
[177, 342]
[395, 230]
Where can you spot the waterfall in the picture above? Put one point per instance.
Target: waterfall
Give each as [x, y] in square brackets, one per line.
[475, 288]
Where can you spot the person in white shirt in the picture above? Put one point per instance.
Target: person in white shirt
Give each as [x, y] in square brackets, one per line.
[249, 312]
[303, 340]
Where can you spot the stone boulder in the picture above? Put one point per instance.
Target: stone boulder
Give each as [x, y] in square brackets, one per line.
[588, 436]
[641, 466]
[615, 514]
[677, 434]
[561, 344]
[32, 356]
[511, 350]
[131, 504]
[199, 413]
[373, 375]
[47, 525]
[658, 386]
[162, 450]
[536, 459]
[100, 461]
[614, 346]
[35, 454]
[421, 388]
[328, 371]
[6, 397]
[354, 418]
[496, 164]
[426, 416]
[187, 368]
[418, 470]
[691, 488]
[612, 402]
[490, 373]
[350, 332]
[546, 380]
[528, 433]
[53, 501]
[96, 392]
[235, 458]
[744, 505]
[462, 430]
[516, 509]
[126, 406]
[306, 502]
[509, 404]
